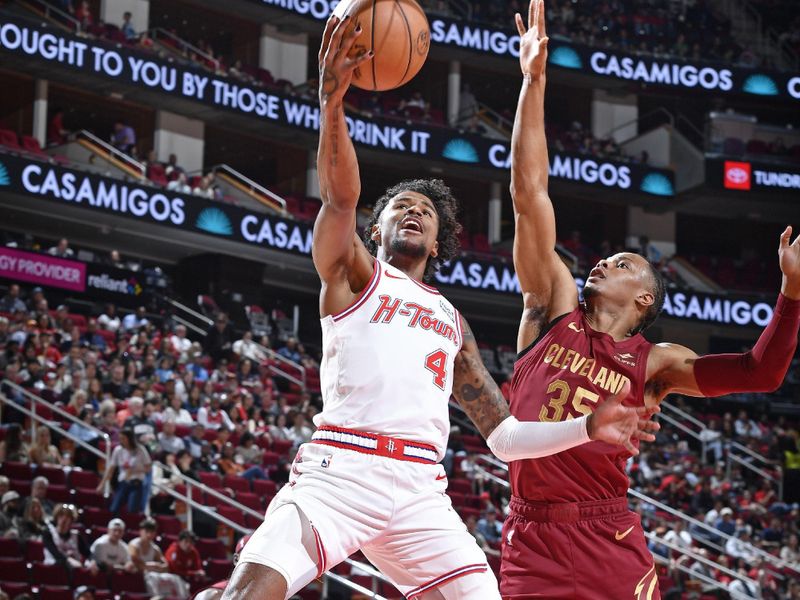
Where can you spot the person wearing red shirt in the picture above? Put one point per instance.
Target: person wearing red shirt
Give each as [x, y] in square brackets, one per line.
[183, 558]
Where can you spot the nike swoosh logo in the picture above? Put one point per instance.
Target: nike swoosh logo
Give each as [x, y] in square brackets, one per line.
[575, 327]
[390, 276]
[440, 477]
[618, 536]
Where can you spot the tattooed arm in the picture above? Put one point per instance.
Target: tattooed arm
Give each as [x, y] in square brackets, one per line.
[510, 439]
[343, 264]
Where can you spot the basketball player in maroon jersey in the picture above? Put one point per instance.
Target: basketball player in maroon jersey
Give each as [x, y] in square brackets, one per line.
[570, 533]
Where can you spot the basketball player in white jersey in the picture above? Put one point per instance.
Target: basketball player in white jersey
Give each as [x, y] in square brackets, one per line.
[394, 350]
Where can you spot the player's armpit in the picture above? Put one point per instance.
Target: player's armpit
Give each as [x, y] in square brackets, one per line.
[474, 388]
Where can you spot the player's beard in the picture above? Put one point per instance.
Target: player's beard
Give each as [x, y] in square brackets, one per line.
[408, 249]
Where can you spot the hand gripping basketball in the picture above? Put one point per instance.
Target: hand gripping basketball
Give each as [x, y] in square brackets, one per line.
[615, 423]
[335, 67]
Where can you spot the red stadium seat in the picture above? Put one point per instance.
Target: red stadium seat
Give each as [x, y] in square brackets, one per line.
[15, 588]
[236, 483]
[55, 592]
[122, 581]
[9, 548]
[55, 475]
[84, 479]
[218, 569]
[9, 139]
[54, 574]
[212, 480]
[34, 551]
[90, 498]
[168, 525]
[250, 500]
[31, 144]
[264, 487]
[211, 548]
[83, 576]
[17, 470]
[59, 493]
[14, 569]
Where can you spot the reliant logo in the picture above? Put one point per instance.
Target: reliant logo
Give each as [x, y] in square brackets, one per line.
[566, 57]
[214, 220]
[460, 150]
[737, 175]
[129, 287]
[760, 85]
[657, 184]
[4, 178]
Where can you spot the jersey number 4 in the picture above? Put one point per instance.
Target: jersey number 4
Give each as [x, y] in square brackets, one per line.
[436, 363]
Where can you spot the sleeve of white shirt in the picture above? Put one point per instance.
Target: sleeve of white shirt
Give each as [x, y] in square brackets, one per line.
[517, 440]
[227, 420]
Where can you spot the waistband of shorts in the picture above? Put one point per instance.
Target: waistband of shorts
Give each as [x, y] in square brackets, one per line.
[567, 512]
[376, 444]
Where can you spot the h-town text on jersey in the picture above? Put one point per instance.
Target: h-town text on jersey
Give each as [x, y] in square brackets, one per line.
[418, 316]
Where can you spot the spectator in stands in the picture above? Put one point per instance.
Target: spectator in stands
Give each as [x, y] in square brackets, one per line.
[186, 464]
[196, 368]
[9, 511]
[176, 412]
[164, 372]
[229, 465]
[300, 433]
[678, 536]
[11, 302]
[490, 528]
[172, 169]
[32, 525]
[212, 416]
[61, 250]
[167, 440]
[204, 188]
[196, 442]
[13, 448]
[183, 558]
[117, 386]
[64, 545]
[725, 522]
[56, 134]
[219, 339]
[135, 320]
[123, 138]
[5, 485]
[247, 348]
[746, 427]
[248, 452]
[39, 487]
[42, 452]
[180, 343]
[91, 338]
[278, 429]
[110, 552]
[467, 104]
[790, 552]
[127, 27]
[83, 13]
[290, 350]
[713, 439]
[133, 462]
[415, 106]
[115, 260]
[148, 559]
[139, 422]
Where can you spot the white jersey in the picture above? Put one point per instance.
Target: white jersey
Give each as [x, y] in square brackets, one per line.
[387, 363]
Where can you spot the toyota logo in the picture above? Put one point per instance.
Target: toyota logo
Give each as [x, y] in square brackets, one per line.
[737, 175]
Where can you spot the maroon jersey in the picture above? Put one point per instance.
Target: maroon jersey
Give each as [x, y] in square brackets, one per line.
[566, 373]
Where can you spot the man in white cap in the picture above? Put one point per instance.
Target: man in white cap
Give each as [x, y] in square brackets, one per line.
[110, 552]
[10, 509]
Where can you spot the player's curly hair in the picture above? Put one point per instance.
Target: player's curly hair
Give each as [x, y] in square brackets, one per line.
[446, 209]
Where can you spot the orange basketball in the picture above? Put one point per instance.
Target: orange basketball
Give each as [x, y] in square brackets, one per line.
[397, 31]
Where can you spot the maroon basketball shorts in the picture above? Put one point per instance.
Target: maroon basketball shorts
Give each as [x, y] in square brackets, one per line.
[576, 551]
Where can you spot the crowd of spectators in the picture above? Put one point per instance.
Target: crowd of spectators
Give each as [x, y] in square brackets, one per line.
[208, 406]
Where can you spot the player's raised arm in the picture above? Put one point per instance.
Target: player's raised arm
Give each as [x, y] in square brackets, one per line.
[675, 368]
[547, 286]
[335, 241]
[510, 439]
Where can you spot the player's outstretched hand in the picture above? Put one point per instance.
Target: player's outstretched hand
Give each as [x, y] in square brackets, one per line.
[533, 41]
[615, 423]
[789, 258]
[335, 67]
